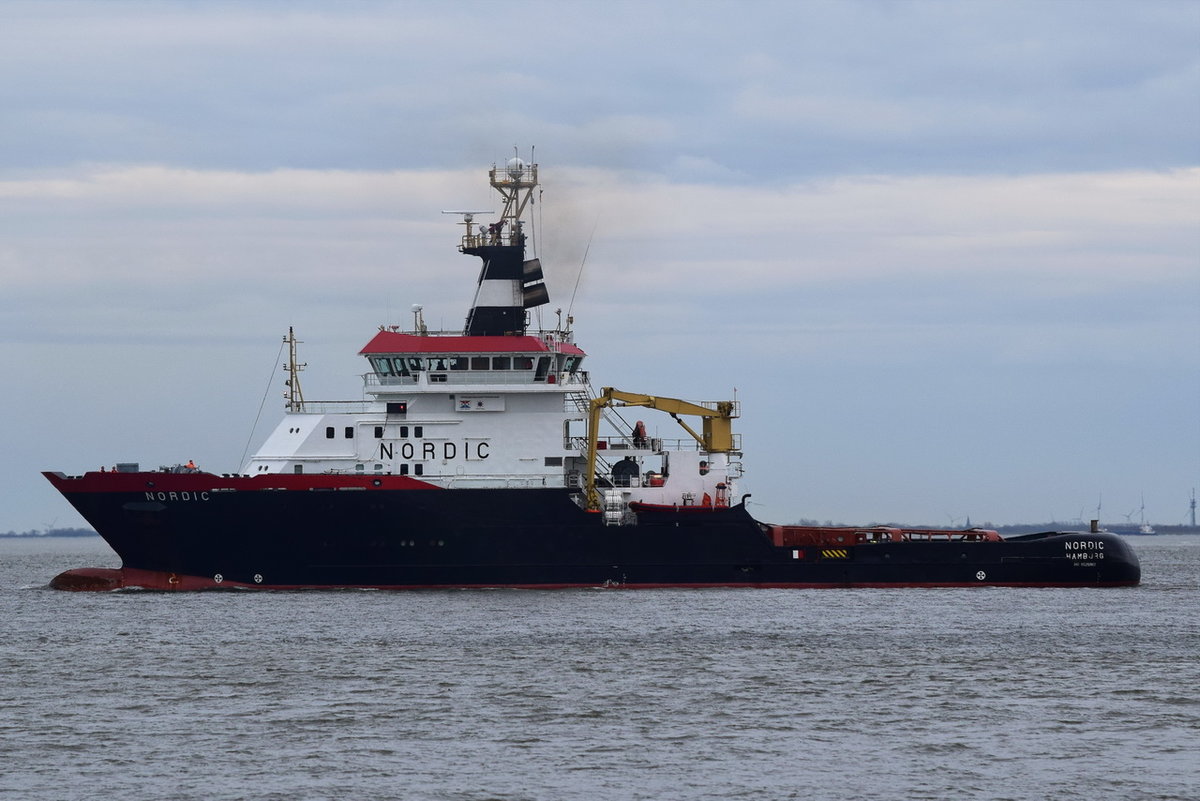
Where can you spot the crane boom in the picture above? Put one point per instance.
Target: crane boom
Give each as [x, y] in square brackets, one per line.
[716, 436]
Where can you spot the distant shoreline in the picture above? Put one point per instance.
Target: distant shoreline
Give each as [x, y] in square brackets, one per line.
[52, 533]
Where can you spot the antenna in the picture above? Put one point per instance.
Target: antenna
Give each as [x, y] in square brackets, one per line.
[582, 264]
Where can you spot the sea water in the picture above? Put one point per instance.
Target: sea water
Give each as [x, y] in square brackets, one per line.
[981, 693]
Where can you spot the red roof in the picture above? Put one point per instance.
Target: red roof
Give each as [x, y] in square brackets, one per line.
[395, 342]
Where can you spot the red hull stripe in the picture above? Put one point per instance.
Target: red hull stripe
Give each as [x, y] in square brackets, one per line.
[197, 483]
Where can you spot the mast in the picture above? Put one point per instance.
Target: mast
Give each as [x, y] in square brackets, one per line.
[294, 395]
[508, 282]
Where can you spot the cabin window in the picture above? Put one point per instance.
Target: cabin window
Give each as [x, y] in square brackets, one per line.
[481, 363]
[419, 469]
[378, 432]
[542, 368]
[418, 431]
[553, 461]
[403, 432]
[522, 362]
[298, 468]
[349, 432]
[404, 469]
[358, 468]
[329, 432]
[458, 362]
[501, 362]
[397, 407]
[437, 378]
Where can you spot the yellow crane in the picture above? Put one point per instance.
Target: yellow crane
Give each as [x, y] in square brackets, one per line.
[717, 436]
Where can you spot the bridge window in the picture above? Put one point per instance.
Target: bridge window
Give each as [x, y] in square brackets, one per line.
[382, 365]
[522, 362]
[501, 362]
[481, 363]
[458, 362]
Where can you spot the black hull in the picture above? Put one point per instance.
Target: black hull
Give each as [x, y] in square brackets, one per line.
[537, 538]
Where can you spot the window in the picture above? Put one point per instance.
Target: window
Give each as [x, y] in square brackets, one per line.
[329, 432]
[382, 365]
[349, 432]
[378, 432]
[403, 432]
[522, 362]
[458, 362]
[298, 468]
[481, 363]
[419, 469]
[418, 431]
[553, 461]
[397, 407]
[404, 469]
[501, 362]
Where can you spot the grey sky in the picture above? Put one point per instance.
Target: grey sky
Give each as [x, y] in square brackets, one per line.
[948, 253]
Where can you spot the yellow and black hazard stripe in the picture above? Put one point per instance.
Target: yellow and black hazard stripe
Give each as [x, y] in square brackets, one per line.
[835, 553]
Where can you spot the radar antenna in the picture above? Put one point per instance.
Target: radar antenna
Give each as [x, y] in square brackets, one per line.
[470, 238]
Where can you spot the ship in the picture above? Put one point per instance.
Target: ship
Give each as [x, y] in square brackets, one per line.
[484, 457]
